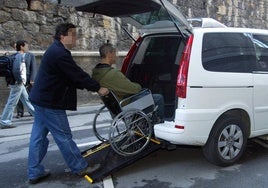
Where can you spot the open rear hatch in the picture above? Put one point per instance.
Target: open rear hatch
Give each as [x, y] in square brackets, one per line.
[139, 13]
[118, 8]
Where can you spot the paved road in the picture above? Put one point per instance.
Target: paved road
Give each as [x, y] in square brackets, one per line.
[183, 167]
[14, 151]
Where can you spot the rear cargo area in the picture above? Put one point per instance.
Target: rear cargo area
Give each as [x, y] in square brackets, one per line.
[155, 66]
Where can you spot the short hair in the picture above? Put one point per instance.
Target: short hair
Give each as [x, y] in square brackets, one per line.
[20, 43]
[62, 29]
[106, 48]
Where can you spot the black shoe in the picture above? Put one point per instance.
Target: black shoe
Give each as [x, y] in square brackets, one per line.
[7, 126]
[89, 170]
[19, 115]
[40, 178]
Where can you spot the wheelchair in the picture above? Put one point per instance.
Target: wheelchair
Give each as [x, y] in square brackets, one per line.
[131, 122]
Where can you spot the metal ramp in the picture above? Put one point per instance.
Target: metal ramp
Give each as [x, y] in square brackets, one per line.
[111, 161]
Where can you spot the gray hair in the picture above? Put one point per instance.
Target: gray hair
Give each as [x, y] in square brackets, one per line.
[105, 49]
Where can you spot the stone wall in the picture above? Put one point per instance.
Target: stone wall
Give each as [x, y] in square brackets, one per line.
[36, 22]
[233, 13]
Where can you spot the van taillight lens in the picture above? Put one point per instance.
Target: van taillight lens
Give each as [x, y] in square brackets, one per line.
[129, 55]
[183, 69]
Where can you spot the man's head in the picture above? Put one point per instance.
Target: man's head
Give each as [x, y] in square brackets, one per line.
[66, 33]
[22, 46]
[108, 53]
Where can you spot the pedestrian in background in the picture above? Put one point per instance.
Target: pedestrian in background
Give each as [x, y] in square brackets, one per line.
[31, 68]
[17, 86]
[54, 92]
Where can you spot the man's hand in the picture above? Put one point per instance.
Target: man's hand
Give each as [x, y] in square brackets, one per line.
[103, 91]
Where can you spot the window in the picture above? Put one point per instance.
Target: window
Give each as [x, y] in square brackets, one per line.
[151, 17]
[261, 45]
[228, 52]
[162, 50]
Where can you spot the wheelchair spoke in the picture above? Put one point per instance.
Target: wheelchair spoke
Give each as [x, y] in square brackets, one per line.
[125, 146]
[101, 123]
[141, 130]
[130, 132]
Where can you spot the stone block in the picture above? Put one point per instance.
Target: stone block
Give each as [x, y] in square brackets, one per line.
[36, 5]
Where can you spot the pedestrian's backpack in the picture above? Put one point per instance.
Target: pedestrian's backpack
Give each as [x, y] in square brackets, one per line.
[6, 64]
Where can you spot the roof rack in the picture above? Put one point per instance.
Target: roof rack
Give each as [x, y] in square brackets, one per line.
[205, 22]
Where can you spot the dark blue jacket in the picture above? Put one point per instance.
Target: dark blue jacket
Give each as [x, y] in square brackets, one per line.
[58, 78]
[16, 68]
[31, 66]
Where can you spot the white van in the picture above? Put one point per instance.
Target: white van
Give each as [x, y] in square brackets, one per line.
[214, 79]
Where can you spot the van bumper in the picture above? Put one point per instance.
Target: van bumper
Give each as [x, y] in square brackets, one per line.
[195, 127]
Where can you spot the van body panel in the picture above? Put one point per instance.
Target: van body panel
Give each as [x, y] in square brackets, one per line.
[199, 112]
[260, 96]
[207, 99]
[168, 133]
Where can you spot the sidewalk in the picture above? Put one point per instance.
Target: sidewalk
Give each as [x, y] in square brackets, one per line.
[77, 119]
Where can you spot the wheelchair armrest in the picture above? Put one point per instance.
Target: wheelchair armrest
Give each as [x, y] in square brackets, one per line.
[112, 103]
[141, 101]
[134, 97]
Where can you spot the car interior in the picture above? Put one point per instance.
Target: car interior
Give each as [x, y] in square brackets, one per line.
[158, 69]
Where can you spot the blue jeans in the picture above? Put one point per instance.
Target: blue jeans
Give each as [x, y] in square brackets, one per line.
[17, 91]
[56, 122]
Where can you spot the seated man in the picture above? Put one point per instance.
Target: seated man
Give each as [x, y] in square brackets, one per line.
[116, 81]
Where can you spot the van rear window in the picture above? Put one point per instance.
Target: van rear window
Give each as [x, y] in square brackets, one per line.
[228, 52]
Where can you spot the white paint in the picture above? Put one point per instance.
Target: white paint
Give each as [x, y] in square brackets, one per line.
[108, 182]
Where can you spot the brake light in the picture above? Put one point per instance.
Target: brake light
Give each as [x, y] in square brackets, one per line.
[183, 69]
[129, 55]
[179, 126]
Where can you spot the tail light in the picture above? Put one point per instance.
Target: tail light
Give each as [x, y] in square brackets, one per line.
[183, 69]
[129, 55]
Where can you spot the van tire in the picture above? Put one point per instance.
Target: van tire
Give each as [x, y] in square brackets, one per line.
[230, 132]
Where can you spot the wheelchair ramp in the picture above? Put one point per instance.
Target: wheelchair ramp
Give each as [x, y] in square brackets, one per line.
[111, 161]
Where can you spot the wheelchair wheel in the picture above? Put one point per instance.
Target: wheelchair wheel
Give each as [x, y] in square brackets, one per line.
[130, 132]
[101, 124]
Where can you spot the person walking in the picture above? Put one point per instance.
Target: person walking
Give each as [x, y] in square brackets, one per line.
[17, 87]
[31, 70]
[54, 92]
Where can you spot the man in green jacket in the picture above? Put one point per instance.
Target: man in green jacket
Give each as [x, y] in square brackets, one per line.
[111, 78]
[116, 81]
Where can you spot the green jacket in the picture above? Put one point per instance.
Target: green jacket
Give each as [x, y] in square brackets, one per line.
[115, 80]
